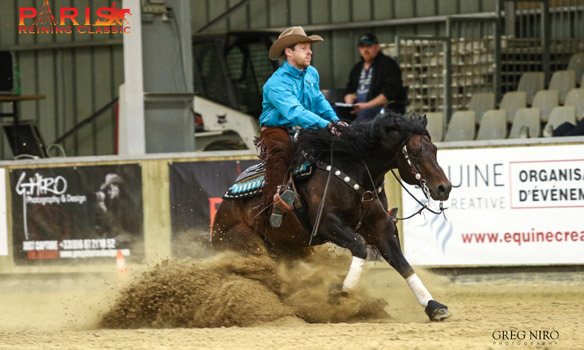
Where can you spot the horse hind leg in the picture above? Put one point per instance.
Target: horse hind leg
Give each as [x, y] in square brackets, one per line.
[231, 232]
[240, 238]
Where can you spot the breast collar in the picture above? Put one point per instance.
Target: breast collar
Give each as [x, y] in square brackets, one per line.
[364, 194]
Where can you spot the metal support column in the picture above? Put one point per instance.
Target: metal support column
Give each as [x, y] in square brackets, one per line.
[131, 129]
[447, 75]
[546, 32]
[157, 97]
[497, 66]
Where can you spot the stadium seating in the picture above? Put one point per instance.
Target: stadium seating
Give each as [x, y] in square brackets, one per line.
[513, 101]
[531, 83]
[435, 125]
[576, 98]
[563, 81]
[493, 125]
[535, 105]
[577, 65]
[526, 119]
[480, 103]
[560, 115]
[546, 100]
[461, 126]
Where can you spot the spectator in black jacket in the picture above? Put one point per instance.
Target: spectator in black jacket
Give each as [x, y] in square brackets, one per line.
[374, 82]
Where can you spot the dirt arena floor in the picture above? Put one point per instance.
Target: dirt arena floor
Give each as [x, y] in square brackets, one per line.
[236, 303]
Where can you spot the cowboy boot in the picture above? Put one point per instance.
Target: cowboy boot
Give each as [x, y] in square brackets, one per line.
[282, 205]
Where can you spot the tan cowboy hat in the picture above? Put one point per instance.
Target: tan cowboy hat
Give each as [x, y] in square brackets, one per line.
[111, 178]
[289, 37]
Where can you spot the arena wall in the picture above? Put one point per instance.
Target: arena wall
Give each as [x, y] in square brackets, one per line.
[178, 192]
[48, 219]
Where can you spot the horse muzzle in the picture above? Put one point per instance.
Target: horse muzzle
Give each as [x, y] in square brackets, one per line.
[442, 191]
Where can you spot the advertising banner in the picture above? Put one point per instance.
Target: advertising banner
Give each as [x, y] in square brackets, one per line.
[77, 213]
[196, 189]
[508, 206]
[3, 215]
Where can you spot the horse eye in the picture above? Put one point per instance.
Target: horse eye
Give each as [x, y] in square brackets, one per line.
[416, 153]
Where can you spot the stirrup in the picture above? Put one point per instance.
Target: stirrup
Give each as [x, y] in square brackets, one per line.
[282, 205]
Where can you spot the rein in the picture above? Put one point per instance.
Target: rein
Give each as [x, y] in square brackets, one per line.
[424, 206]
[365, 196]
[357, 188]
[321, 205]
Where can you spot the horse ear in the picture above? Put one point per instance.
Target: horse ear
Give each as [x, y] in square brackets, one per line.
[424, 120]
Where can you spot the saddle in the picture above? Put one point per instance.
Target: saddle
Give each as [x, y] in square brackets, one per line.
[251, 181]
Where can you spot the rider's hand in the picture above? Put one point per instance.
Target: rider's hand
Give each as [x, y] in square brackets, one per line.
[333, 127]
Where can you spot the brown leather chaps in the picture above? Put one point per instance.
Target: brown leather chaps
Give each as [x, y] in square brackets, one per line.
[276, 143]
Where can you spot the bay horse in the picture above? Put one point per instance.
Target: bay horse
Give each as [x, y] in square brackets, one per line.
[354, 213]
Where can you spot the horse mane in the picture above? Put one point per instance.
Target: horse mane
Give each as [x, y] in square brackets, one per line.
[360, 139]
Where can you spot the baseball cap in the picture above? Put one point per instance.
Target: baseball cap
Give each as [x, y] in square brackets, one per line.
[368, 38]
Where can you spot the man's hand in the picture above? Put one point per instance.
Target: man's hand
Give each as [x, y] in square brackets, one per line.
[350, 98]
[333, 127]
[100, 199]
[359, 106]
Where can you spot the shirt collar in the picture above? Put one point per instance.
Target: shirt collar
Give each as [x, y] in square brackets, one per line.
[293, 71]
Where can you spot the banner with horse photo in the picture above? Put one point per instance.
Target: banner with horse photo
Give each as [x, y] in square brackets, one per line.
[77, 214]
[196, 190]
[508, 206]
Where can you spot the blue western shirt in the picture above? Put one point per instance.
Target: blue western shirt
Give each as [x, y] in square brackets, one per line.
[292, 97]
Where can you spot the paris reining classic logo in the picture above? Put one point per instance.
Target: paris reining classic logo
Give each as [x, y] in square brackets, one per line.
[106, 20]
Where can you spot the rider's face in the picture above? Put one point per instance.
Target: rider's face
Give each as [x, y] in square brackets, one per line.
[299, 57]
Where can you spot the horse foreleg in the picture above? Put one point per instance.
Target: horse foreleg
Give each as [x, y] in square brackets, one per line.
[354, 273]
[335, 232]
[389, 247]
[434, 310]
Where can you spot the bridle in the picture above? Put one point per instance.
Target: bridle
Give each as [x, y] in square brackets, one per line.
[415, 171]
[423, 184]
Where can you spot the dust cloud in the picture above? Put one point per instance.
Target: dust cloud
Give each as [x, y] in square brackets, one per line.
[232, 290]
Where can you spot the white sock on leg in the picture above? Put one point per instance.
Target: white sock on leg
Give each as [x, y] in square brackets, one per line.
[419, 290]
[354, 273]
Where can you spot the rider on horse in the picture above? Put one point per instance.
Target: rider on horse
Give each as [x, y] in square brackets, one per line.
[292, 100]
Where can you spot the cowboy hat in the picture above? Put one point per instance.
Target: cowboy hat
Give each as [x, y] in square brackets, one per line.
[289, 37]
[110, 179]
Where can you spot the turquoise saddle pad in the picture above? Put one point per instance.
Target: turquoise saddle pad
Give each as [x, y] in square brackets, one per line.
[250, 183]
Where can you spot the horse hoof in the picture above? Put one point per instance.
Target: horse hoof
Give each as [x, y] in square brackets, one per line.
[437, 312]
[441, 315]
[336, 289]
[335, 292]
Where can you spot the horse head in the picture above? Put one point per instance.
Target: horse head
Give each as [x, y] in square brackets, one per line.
[417, 164]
